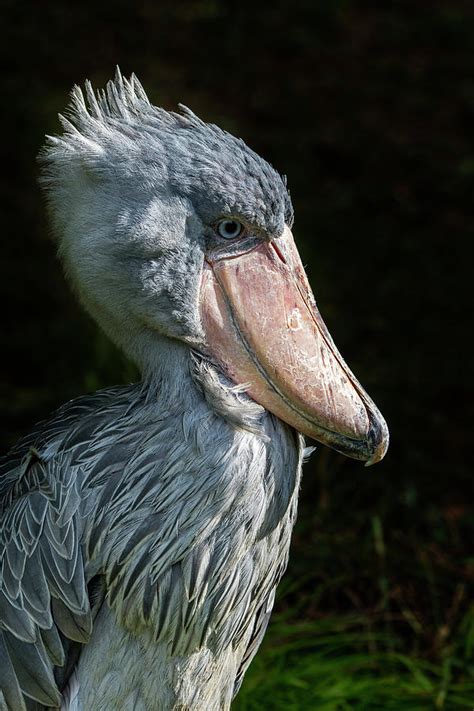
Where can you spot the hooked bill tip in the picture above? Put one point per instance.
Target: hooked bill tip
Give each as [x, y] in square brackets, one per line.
[380, 436]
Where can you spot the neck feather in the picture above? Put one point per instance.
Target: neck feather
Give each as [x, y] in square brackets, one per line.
[182, 378]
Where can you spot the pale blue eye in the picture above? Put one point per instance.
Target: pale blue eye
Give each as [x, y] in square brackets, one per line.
[229, 229]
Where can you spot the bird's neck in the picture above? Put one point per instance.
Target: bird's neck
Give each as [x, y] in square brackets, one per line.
[184, 381]
[167, 373]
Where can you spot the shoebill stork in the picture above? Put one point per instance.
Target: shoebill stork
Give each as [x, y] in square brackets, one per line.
[145, 528]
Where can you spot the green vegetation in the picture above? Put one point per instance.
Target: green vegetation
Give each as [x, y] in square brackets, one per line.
[345, 663]
[336, 664]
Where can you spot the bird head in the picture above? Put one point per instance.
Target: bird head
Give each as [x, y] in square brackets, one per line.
[171, 228]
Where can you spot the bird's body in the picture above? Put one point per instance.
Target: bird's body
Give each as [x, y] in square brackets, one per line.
[136, 453]
[145, 528]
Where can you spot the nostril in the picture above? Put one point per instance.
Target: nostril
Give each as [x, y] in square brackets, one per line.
[278, 251]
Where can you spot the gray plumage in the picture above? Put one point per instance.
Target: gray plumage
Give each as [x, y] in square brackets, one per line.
[182, 520]
[145, 528]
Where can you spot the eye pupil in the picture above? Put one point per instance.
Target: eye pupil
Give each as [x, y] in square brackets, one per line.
[229, 229]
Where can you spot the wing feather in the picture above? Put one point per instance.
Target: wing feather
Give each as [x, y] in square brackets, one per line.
[72, 625]
[34, 673]
[13, 619]
[11, 696]
[42, 587]
[53, 645]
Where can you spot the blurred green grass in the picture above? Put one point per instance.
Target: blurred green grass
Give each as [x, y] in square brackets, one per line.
[347, 663]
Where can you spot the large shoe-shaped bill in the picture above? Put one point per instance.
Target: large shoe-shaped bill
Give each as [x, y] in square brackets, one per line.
[264, 330]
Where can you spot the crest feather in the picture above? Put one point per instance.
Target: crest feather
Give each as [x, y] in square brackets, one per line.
[117, 134]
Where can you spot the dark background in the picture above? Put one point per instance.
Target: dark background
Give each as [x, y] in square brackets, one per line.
[368, 107]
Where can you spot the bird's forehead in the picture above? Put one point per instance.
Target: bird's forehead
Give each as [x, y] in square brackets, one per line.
[222, 175]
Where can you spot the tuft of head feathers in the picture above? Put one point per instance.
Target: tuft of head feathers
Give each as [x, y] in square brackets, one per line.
[118, 137]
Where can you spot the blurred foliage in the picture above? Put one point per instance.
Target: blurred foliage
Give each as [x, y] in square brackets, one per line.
[368, 108]
[340, 662]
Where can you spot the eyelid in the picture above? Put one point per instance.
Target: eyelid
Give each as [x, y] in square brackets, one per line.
[228, 218]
